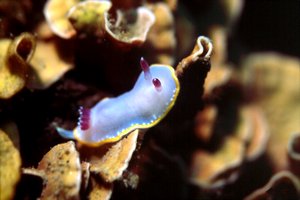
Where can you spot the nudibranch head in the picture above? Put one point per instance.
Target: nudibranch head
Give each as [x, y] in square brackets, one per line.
[151, 98]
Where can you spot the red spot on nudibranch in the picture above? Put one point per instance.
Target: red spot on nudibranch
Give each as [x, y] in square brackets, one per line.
[157, 84]
[84, 118]
[145, 67]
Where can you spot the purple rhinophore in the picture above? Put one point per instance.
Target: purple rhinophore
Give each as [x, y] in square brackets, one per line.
[145, 67]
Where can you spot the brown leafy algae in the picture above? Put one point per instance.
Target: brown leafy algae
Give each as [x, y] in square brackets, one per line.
[243, 139]
[294, 154]
[87, 18]
[61, 166]
[216, 169]
[161, 38]
[202, 52]
[61, 171]
[273, 81]
[112, 165]
[47, 68]
[55, 12]
[10, 167]
[283, 185]
[129, 27]
[14, 63]
[100, 191]
[26, 63]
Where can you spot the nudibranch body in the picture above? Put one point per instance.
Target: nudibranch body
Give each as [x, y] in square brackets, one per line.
[151, 98]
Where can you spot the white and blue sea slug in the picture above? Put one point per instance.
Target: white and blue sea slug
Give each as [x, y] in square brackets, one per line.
[151, 98]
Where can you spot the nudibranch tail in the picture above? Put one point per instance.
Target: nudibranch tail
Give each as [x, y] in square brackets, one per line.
[65, 133]
[84, 118]
[146, 69]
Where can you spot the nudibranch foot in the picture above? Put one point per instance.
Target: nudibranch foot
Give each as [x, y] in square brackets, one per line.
[65, 133]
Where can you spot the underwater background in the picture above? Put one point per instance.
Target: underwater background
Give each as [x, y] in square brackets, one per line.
[215, 113]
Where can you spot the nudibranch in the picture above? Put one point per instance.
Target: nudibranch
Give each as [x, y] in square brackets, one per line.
[146, 104]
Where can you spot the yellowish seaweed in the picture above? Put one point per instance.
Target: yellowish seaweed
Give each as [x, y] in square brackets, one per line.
[10, 167]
